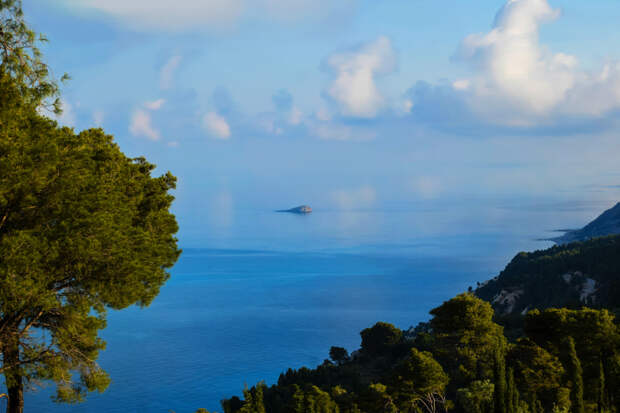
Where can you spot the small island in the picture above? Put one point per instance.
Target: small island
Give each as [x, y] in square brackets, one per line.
[303, 209]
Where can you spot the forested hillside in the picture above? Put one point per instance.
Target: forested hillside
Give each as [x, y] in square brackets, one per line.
[566, 361]
[571, 275]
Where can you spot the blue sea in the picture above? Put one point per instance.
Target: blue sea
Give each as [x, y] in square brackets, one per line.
[261, 291]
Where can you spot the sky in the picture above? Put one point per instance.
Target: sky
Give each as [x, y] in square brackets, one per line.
[348, 105]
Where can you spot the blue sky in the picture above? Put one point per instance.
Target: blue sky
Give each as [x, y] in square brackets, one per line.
[272, 103]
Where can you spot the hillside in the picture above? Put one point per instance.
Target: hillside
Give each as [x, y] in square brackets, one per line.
[608, 223]
[463, 364]
[467, 360]
[571, 275]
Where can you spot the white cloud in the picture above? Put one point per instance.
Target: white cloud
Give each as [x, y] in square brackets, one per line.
[167, 72]
[216, 125]
[98, 117]
[513, 66]
[155, 104]
[183, 15]
[141, 125]
[268, 123]
[462, 84]
[354, 87]
[67, 117]
[290, 10]
[596, 94]
[172, 15]
[404, 106]
[362, 197]
[520, 81]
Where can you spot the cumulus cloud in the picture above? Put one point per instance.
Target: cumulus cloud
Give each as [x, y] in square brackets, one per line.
[513, 68]
[270, 123]
[216, 125]
[67, 117]
[354, 88]
[155, 104]
[166, 75]
[183, 15]
[596, 94]
[519, 81]
[141, 123]
[351, 199]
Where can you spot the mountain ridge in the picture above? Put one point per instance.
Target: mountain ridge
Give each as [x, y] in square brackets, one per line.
[608, 223]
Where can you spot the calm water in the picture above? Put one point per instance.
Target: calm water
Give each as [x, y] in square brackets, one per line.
[261, 292]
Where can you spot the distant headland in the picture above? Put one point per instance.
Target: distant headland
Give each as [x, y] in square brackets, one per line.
[303, 209]
[608, 223]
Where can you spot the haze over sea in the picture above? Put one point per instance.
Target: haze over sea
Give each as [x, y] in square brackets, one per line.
[265, 291]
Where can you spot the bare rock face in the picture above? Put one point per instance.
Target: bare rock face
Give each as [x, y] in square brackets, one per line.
[303, 209]
[608, 223]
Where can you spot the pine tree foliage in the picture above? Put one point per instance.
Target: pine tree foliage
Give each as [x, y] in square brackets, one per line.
[500, 382]
[83, 229]
[575, 374]
[21, 58]
[466, 338]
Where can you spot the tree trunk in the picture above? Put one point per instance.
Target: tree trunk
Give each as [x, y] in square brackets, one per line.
[13, 379]
[16, 398]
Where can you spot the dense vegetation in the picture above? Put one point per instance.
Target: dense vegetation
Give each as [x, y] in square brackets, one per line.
[558, 277]
[566, 361]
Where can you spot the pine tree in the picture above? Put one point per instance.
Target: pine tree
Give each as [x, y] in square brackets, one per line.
[500, 382]
[296, 404]
[510, 400]
[534, 404]
[83, 229]
[21, 58]
[466, 339]
[516, 401]
[601, 388]
[253, 400]
[575, 375]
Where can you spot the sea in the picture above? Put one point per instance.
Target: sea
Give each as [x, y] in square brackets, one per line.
[261, 292]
